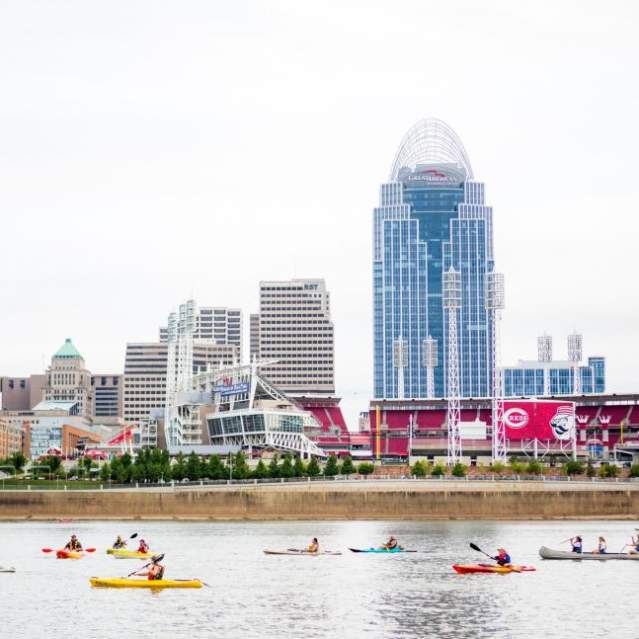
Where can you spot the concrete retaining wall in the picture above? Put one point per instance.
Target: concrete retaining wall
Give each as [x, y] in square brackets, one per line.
[393, 501]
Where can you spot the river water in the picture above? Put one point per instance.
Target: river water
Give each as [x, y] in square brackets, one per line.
[348, 596]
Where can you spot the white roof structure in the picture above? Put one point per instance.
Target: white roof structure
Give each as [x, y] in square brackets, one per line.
[430, 141]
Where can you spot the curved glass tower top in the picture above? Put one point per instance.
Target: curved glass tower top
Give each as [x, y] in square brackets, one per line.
[430, 141]
[431, 217]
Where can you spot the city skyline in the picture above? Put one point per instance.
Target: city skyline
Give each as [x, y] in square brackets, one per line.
[551, 165]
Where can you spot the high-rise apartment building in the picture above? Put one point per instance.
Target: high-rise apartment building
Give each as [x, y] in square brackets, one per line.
[218, 324]
[295, 328]
[431, 217]
[145, 373]
[68, 379]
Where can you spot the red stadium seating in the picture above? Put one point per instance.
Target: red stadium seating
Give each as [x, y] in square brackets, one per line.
[398, 419]
[616, 414]
[634, 416]
[430, 419]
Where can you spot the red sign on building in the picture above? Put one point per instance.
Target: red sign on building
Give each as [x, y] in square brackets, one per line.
[545, 420]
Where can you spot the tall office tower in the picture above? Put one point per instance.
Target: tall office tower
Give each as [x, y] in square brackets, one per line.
[68, 379]
[145, 373]
[254, 332]
[219, 324]
[108, 396]
[431, 217]
[295, 328]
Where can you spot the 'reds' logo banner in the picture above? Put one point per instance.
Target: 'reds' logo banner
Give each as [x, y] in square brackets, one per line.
[537, 419]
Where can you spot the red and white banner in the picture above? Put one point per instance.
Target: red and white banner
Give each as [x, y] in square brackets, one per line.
[539, 419]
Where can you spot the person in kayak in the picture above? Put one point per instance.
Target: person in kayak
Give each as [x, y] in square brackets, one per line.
[143, 547]
[73, 544]
[391, 544]
[155, 571]
[634, 545]
[119, 543]
[577, 544]
[313, 546]
[503, 558]
[601, 547]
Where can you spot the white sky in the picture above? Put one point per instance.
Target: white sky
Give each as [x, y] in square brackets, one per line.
[152, 151]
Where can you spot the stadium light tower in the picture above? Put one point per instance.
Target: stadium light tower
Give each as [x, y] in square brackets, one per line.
[430, 357]
[452, 303]
[494, 307]
[544, 354]
[399, 362]
[575, 343]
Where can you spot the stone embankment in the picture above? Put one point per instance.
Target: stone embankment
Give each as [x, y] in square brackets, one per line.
[410, 500]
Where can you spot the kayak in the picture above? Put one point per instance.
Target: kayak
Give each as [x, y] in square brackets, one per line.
[125, 582]
[548, 553]
[7, 569]
[381, 550]
[68, 554]
[490, 568]
[131, 554]
[300, 552]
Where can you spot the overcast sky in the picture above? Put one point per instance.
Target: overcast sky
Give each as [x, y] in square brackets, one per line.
[152, 151]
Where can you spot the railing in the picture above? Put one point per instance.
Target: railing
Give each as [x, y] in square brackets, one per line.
[341, 479]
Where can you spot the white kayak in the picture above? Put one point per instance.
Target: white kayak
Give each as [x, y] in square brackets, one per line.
[300, 552]
[549, 553]
[7, 569]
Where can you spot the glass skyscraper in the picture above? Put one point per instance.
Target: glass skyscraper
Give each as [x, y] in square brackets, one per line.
[431, 216]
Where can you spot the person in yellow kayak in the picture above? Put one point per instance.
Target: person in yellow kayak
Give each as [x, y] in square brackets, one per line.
[155, 571]
[313, 547]
[391, 544]
[143, 547]
[73, 544]
[119, 543]
[502, 558]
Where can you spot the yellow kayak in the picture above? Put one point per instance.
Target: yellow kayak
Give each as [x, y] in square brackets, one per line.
[127, 582]
[122, 553]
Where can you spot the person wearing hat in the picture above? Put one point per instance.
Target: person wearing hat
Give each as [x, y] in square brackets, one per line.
[155, 571]
[503, 558]
[391, 544]
[73, 544]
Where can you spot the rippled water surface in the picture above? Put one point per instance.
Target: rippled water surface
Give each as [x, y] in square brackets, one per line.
[255, 595]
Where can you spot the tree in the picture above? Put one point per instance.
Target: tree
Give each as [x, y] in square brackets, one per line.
[591, 471]
[261, 471]
[534, 467]
[193, 467]
[419, 469]
[286, 468]
[438, 470]
[87, 463]
[217, 469]
[330, 469]
[241, 468]
[126, 460]
[634, 470]
[516, 466]
[366, 468]
[497, 467]
[105, 472]
[459, 470]
[348, 468]
[608, 470]
[573, 468]
[18, 461]
[178, 470]
[273, 468]
[299, 467]
[313, 468]
[53, 462]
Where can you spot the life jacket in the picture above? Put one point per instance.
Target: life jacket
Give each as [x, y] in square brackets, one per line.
[158, 576]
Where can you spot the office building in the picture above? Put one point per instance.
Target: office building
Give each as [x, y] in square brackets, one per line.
[10, 437]
[108, 399]
[218, 324]
[254, 336]
[432, 216]
[68, 379]
[145, 373]
[21, 393]
[295, 328]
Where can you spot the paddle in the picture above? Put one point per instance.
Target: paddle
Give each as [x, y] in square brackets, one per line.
[478, 549]
[54, 550]
[157, 558]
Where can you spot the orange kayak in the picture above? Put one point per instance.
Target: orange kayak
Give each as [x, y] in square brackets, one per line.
[468, 569]
[68, 554]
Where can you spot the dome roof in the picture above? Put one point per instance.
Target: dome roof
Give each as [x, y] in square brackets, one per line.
[68, 351]
[431, 141]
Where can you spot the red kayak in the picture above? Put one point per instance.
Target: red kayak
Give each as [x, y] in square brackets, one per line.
[68, 554]
[467, 569]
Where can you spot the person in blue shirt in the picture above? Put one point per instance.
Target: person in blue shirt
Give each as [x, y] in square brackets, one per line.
[634, 546]
[577, 544]
[503, 558]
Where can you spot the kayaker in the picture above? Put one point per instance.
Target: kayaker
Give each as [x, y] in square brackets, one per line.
[601, 547]
[577, 544]
[503, 558]
[313, 546]
[119, 543]
[143, 547]
[391, 544]
[155, 571]
[73, 544]
[634, 546]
